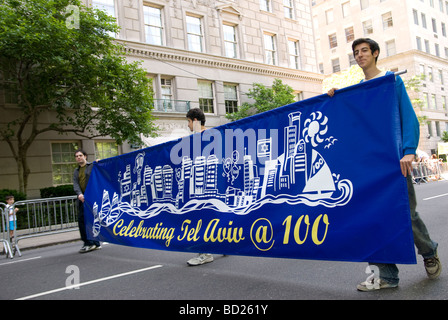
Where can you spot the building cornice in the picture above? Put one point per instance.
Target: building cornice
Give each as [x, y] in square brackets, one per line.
[161, 53]
[415, 52]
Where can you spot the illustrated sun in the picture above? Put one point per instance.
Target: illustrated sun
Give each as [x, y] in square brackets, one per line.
[315, 127]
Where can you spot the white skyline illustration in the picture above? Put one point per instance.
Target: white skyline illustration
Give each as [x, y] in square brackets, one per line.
[146, 191]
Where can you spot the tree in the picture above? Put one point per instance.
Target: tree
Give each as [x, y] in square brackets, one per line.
[75, 72]
[348, 77]
[444, 136]
[265, 99]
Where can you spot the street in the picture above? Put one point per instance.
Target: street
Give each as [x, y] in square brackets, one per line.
[127, 273]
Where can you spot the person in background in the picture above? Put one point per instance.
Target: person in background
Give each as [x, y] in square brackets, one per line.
[80, 179]
[196, 123]
[12, 215]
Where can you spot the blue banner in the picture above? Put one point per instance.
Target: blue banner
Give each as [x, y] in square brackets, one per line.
[318, 179]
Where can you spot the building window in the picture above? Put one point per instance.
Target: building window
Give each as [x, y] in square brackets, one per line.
[415, 16]
[390, 48]
[423, 20]
[333, 40]
[266, 5]
[329, 16]
[430, 77]
[419, 43]
[294, 54]
[270, 49]
[434, 25]
[387, 20]
[109, 7]
[437, 49]
[425, 100]
[11, 93]
[288, 9]
[206, 101]
[349, 34]
[367, 27]
[433, 101]
[364, 4]
[231, 98]
[346, 9]
[105, 150]
[194, 34]
[335, 65]
[153, 25]
[63, 162]
[230, 44]
[105, 5]
[167, 92]
[351, 59]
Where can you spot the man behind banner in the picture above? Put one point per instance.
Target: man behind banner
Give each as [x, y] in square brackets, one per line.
[196, 124]
[366, 52]
[80, 179]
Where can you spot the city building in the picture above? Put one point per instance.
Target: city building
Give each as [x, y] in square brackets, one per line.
[199, 53]
[412, 35]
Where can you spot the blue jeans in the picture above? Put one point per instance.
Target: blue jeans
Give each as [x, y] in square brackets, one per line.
[82, 226]
[425, 246]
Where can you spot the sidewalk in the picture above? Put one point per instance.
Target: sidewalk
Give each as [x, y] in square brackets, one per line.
[48, 240]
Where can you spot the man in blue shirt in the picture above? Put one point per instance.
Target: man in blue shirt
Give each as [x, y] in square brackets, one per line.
[366, 52]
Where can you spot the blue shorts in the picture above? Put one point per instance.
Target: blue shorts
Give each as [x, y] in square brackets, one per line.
[12, 225]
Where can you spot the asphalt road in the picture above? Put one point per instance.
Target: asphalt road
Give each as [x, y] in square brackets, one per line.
[126, 273]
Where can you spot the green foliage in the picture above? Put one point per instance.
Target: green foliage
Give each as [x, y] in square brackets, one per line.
[265, 99]
[18, 196]
[346, 78]
[78, 74]
[59, 191]
[444, 136]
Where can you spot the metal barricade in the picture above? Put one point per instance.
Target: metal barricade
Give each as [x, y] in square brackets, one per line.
[424, 172]
[39, 217]
[5, 239]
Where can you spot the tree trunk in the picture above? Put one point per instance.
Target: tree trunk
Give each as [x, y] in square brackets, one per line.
[23, 169]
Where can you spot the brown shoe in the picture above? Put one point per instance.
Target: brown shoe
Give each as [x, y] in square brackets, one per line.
[433, 267]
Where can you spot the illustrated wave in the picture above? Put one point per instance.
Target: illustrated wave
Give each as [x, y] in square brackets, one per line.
[111, 212]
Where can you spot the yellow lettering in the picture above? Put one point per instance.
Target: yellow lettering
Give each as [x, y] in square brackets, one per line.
[182, 228]
[316, 227]
[297, 229]
[222, 234]
[261, 234]
[189, 234]
[117, 225]
[211, 238]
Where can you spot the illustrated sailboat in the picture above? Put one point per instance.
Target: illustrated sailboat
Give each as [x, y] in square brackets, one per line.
[320, 184]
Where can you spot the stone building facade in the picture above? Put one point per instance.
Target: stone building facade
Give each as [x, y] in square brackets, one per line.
[199, 53]
[412, 35]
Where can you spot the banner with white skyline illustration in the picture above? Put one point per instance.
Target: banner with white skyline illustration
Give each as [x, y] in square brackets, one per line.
[317, 179]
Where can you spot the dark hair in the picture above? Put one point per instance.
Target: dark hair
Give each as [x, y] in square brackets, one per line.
[198, 114]
[374, 46]
[82, 151]
[9, 197]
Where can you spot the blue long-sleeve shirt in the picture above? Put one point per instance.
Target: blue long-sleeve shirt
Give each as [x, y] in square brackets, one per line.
[410, 127]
